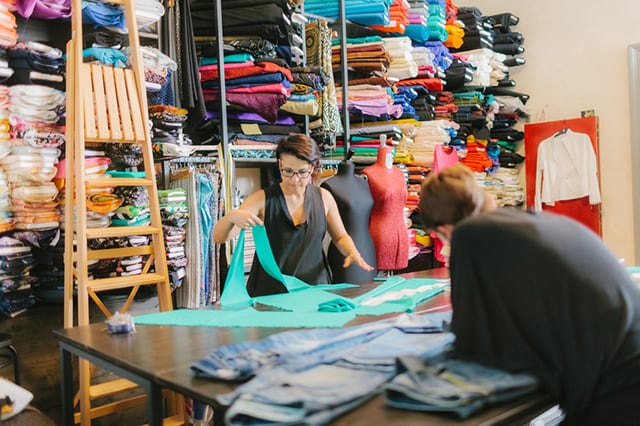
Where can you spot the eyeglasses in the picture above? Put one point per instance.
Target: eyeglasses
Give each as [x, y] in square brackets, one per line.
[301, 173]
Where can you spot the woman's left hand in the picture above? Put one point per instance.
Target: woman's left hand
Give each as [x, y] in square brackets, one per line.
[358, 260]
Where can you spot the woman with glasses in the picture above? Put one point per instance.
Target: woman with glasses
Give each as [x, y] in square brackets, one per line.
[539, 293]
[296, 215]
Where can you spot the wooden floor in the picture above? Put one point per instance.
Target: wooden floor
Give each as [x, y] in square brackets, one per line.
[39, 358]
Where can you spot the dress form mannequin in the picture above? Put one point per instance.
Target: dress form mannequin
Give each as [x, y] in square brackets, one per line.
[354, 203]
[387, 226]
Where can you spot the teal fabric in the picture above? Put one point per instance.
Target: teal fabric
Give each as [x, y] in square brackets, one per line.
[409, 293]
[235, 57]
[245, 317]
[235, 290]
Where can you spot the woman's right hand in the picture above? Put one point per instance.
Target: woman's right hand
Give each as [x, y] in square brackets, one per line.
[244, 219]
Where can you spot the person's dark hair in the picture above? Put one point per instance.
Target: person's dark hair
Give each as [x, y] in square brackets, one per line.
[302, 147]
[449, 196]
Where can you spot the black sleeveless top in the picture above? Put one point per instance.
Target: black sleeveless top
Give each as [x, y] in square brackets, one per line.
[297, 250]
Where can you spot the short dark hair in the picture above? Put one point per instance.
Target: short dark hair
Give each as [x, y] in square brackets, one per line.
[300, 146]
[449, 196]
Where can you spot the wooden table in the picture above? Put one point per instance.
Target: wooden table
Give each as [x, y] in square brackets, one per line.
[159, 357]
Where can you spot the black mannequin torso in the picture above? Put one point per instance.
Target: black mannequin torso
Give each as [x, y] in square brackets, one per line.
[354, 202]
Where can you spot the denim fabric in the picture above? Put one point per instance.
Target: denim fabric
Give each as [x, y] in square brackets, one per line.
[451, 385]
[310, 397]
[316, 375]
[240, 361]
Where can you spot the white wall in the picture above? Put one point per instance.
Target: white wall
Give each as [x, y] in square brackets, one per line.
[576, 56]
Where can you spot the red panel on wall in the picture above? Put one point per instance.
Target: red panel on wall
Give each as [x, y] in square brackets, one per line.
[579, 208]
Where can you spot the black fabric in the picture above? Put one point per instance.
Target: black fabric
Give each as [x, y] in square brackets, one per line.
[354, 202]
[540, 293]
[297, 249]
[192, 98]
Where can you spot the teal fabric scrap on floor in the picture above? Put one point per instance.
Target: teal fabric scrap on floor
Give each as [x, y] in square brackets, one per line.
[246, 317]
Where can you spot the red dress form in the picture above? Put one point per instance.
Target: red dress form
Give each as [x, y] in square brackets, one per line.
[388, 230]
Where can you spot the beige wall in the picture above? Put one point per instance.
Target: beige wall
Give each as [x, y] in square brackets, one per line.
[576, 56]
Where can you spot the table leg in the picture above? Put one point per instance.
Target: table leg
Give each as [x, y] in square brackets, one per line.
[67, 386]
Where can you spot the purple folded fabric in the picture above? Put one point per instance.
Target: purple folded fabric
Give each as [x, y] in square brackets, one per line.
[49, 9]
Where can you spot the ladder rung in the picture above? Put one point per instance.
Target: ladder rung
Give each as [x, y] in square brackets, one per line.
[119, 252]
[111, 140]
[113, 407]
[106, 182]
[111, 387]
[121, 231]
[171, 421]
[114, 283]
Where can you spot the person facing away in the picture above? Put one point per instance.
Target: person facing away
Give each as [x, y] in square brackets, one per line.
[388, 229]
[296, 215]
[354, 202]
[539, 293]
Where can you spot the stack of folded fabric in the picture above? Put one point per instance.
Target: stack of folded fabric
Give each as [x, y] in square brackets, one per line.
[16, 292]
[257, 87]
[158, 69]
[365, 55]
[436, 22]
[399, 18]
[402, 65]
[363, 12]
[8, 26]
[134, 207]
[505, 186]
[505, 40]
[36, 63]
[167, 131]
[100, 14]
[30, 171]
[175, 213]
[370, 103]
[148, 12]
[131, 265]
[47, 248]
[101, 202]
[269, 20]
[478, 31]
[7, 222]
[34, 105]
[49, 10]
[426, 135]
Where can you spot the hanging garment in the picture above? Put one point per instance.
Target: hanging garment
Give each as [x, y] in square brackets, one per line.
[566, 169]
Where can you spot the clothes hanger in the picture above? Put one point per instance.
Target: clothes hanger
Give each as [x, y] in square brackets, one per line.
[561, 132]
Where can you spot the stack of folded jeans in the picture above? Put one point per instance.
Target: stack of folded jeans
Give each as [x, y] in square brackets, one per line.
[313, 376]
[451, 385]
[16, 292]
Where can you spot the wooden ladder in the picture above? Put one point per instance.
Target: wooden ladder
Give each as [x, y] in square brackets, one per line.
[108, 105]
